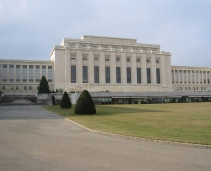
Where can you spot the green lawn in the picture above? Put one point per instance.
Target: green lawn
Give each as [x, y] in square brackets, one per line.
[183, 122]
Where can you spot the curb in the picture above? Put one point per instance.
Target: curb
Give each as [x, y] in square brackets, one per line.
[189, 145]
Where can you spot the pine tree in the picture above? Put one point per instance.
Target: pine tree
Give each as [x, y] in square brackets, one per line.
[85, 104]
[43, 87]
[66, 102]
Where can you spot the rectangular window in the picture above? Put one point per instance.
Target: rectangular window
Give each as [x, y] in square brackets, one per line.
[138, 60]
[107, 74]
[128, 75]
[158, 75]
[25, 88]
[180, 75]
[50, 74]
[4, 74]
[18, 73]
[148, 76]
[172, 76]
[117, 59]
[85, 58]
[44, 71]
[31, 73]
[128, 59]
[118, 75]
[11, 87]
[193, 80]
[73, 74]
[176, 76]
[37, 73]
[30, 87]
[139, 75]
[3, 88]
[17, 88]
[148, 61]
[85, 74]
[157, 61]
[24, 73]
[11, 73]
[96, 74]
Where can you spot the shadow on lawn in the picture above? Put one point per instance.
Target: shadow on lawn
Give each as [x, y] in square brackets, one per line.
[105, 110]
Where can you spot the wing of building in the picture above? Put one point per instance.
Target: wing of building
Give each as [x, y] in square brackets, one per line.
[104, 64]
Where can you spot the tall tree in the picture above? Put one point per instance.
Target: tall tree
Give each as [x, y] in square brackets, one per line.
[43, 87]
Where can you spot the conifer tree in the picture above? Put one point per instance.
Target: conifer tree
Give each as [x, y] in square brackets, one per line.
[85, 104]
[66, 102]
[43, 87]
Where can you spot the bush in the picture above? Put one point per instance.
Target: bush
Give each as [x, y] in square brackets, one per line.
[85, 104]
[66, 102]
[43, 87]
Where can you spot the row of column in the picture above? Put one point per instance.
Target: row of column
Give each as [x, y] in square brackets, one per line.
[191, 77]
[79, 64]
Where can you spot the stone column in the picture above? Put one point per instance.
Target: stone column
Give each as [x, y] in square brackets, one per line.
[123, 69]
[67, 68]
[143, 69]
[163, 70]
[90, 67]
[133, 69]
[102, 67]
[113, 68]
[79, 67]
[153, 69]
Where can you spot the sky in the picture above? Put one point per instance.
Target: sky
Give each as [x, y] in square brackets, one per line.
[29, 29]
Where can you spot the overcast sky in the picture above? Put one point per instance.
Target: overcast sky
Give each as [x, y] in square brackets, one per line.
[29, 29]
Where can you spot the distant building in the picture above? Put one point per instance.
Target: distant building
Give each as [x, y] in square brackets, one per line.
[104, 64]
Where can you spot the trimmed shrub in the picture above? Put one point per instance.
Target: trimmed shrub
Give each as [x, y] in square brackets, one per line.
[65, 102]
[43, 87]
[85, 104]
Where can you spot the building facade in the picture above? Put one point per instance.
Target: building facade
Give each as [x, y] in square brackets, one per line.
[104, 64]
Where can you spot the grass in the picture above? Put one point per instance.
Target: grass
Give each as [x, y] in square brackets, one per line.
[182, 122]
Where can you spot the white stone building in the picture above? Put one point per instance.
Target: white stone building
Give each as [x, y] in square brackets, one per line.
[104, 64]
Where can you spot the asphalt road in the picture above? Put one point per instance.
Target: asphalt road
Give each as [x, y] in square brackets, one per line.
[32, 138]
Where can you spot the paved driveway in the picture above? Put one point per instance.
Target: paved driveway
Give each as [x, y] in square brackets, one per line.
[32, 138]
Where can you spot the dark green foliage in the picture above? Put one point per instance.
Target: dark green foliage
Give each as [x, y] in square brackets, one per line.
[85, 104]
[66, 102]
[43, 87]
[53, 100]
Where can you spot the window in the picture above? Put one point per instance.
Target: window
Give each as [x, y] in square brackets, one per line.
[4, 74]
[107, 74]
[193, 80]
[139, 75]
[11, 88]
[148, 61]
[17, 87]
[189, 88]
[44, 71]
[107, 58]
[128, 75]
[148, 76]
[3, 87]
[180, 88]
[118, 75]
[30, 87]
[117, 59]
[176, 76]
[11, 73]
[96, 74]
[128, 59]
[158, 75]
[18, 73]
[172, 75]
[201, 88]
[24, 73]
[37, 73]
[31, 73]
[157, 61]
[73, 74]
[180, 75]
[85, 74]
[96, 58]
[25, 88]
[50, 74]
[138, 60]
[85, 58]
